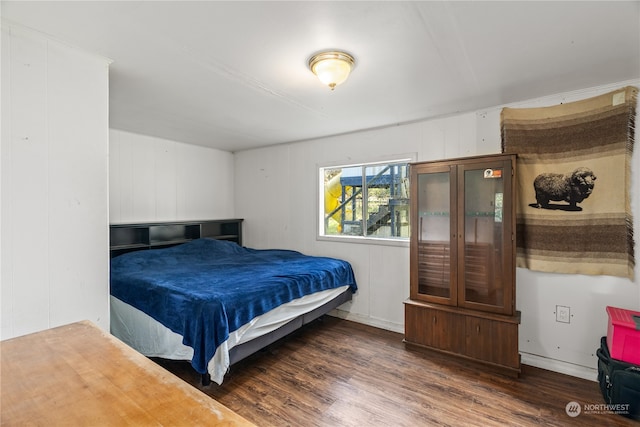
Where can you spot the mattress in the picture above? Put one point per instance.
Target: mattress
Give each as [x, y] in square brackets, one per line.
[206, 289]
[153, 339]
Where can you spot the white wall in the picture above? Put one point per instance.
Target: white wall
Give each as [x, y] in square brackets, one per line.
[54, 197]
[277, 196]
[153, 179]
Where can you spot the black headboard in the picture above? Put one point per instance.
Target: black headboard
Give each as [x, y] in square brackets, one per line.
[125, 238]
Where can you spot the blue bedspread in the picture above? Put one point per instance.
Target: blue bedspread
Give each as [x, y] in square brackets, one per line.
[207, 288]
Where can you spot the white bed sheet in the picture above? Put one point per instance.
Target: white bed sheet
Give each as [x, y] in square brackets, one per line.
[153, 339]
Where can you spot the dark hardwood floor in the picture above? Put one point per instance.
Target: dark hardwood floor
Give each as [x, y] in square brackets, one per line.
[339, 373]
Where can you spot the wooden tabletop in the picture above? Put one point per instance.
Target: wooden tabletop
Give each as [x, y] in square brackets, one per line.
[79, 375]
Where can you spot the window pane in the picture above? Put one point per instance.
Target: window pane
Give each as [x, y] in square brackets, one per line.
[380, 190]
[343, 201]
[387, 200]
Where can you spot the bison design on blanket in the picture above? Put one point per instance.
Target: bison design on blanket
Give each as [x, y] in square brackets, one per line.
[573, 188]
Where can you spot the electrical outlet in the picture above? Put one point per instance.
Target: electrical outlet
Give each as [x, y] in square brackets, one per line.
[563, 314]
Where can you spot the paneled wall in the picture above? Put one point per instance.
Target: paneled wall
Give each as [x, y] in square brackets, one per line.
[154, 179]
[54, 196]
[278, 197]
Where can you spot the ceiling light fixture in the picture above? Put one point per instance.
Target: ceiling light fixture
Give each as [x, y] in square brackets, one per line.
[332, 67]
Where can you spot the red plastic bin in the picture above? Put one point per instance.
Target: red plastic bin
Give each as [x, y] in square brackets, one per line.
[623, 334]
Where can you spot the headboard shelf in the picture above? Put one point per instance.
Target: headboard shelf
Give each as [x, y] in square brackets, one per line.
[169, 243]
[131, 246]
[140, 236]
[224, 237]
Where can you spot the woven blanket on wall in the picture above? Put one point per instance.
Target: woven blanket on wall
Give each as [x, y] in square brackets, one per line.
[573, 184]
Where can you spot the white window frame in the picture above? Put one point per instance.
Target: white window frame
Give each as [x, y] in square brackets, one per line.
[320, 168]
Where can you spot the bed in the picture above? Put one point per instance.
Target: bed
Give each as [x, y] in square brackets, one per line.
[214, 302]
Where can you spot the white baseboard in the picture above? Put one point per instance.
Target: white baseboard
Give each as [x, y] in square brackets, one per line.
[559, 366]
[554, 365]
[370, 321]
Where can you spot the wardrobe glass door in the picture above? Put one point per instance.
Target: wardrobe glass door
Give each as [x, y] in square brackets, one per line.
[434, 219]
[483, 243]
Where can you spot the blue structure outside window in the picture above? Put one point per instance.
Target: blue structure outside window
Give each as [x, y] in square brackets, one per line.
[369, 200]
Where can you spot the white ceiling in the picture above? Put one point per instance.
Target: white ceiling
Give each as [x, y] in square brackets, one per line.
[233, 75]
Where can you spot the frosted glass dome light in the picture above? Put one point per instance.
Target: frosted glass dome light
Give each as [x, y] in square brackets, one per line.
[332, 68]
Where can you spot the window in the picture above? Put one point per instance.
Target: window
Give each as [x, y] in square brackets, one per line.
[366, 200]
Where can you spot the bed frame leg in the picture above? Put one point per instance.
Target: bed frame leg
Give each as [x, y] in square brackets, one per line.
[206, 379]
